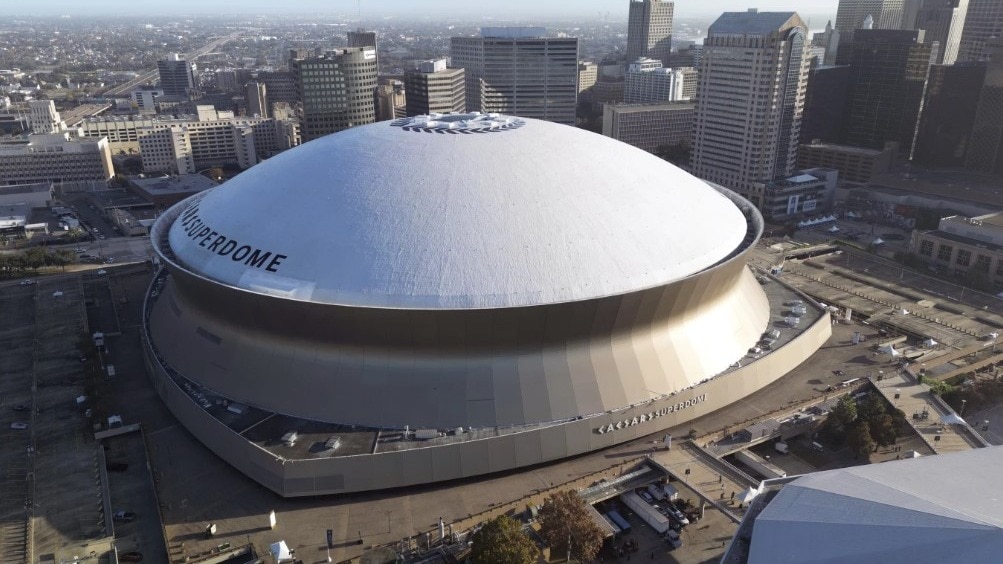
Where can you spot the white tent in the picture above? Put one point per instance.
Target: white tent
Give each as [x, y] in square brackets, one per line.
[833, 229]
[889, 350]
[280, 552]
[878, 241]
[912, 454]
[930, 343]
[748, 495]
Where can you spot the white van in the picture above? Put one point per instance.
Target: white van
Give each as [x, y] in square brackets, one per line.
[673, 539]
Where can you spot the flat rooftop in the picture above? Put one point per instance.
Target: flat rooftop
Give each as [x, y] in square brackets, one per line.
[185, 184]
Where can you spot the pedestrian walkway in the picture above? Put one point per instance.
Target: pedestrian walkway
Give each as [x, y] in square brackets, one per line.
[716, 481]
[915, 400]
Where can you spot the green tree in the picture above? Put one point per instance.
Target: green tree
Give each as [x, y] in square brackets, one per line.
[871, 408]
[565, 515]
[501, 541]
[860, 440]
[843, 414]
[883, 430]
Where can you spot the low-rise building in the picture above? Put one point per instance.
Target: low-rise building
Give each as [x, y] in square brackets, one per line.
[649, 126]
[962, 244]
[855, 164]
[165, 191]
[809, 192]
[54, 158]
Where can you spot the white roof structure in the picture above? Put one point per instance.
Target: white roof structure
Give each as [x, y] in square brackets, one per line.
[494, 212]
[942, 508]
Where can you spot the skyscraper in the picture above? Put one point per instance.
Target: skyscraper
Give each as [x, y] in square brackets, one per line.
[942, 20]
[517, 70]
[647, 82]
[335, 90]
[362, 38]
[888, 70]
[983, 21]
[178, 77]
[850, 14]
[750, 95]
[949, 105]
[985, 148]
[433, 88]
[825, 103]
[649, 30]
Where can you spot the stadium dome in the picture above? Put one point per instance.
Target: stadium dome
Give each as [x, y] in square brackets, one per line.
[458, 211]
[448, 296]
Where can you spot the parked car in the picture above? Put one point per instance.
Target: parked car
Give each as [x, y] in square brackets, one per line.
[102, 272]
[21, 407]
[19, 425]
[28, 282]
[124, 516]
[131, 556]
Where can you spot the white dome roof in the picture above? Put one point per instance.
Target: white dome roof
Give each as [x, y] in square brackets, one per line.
[409, 214]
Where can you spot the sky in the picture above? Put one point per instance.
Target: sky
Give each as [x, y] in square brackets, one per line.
[406, 8]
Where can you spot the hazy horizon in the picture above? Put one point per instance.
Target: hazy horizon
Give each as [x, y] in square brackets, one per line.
[384, 9]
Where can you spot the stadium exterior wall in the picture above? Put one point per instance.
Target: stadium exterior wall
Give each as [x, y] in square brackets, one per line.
[295, 478]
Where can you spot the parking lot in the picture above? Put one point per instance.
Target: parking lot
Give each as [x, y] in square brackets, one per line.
[17, 332]
[702, 541]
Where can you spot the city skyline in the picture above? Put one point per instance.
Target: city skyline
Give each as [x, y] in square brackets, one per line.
[401, 8]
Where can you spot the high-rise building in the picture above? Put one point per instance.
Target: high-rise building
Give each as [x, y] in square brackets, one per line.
[433, 88]
[855, 164]
[985, 149]
[983, 21]
[44, 117]
[363, 38]
[335, 90]
[750, 96]
[949, 105]
[588, 75]
[178, 77]
[943, 22]
[829, 41]
[649, 30]
[647, 82]
[886, 14]
[520, 71]
[391, 100]
[280, 85]
[649, 126]
[825, 103]
[888, 70]
[257, 99]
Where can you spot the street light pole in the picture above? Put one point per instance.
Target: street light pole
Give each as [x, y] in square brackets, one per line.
[963, 402]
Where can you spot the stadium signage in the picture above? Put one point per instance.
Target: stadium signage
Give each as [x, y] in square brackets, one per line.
[206, 237]
[638, 419]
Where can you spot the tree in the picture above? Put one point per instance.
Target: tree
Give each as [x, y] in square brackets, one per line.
[565, 515]
[501, 541]
[883, 430]
[871, 408]
[860, 439]
[843, 414]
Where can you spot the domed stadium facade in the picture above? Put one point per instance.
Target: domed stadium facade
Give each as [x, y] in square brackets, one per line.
[443, 297]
